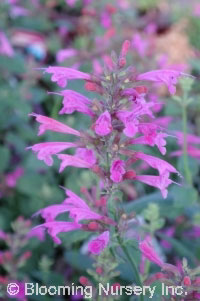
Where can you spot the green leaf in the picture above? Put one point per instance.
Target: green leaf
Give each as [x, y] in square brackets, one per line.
[4, 158]
[179, 247]
[79, 261]
[184, 196]
[141, 203]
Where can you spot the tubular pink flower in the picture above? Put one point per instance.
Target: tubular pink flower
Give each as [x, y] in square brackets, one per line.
[54, 228]
[78, 209]
[130, 122]
[68, 160]
[74, 101]
[158, 140]
[97, 245]
[47, 149]
[53, 125]
[103, 125]
[190, 138]
[62, 74]
[157, 163]
[50, 213]
[130, 119]
[168, 77]
[87, 155]
[117, 170]
[147, 251]
[5, 47]
[191, 151]
[161, 182]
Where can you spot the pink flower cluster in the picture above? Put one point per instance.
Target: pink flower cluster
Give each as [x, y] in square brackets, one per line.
[79, 211]
[121, 118]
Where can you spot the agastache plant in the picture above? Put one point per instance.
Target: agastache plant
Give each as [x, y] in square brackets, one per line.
[121, 117]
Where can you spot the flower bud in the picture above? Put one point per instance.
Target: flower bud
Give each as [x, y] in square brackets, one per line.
[99, 270]
[101, 202]
[115, 286]
[93, 226]
[84, 281]
[141, 89]
[90, 86]
[129, 175]
[122, 62]
[125, 48]
[187, 281]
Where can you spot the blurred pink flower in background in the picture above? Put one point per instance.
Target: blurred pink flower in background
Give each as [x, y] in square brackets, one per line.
[12, 177]
[196, 10]
[139, 44]
[5, 46]
[71, 2]
[64, 54]
[191, 149]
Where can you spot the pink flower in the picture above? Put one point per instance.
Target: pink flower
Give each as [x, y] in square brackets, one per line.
[53, 125]
[106, 20]
[196, 10]
[12, 177]
[62, 74]
[163, 121]
[153, 138]
[97, 245]
[103, 125]
[76, 161]
[47, 149]
[3, 235]
[5, 47]
[161, 182]
[64, 54]
[157, 163]
[71, 2]
[190, 138]
[117, 170]
[166, 76]
[87, 155]
[74, 101]
[130, 119]
[191, 150]
[54, 228]
[78, 208]
[50, 213]
[139, 44]
[130, 122]
[148, 251]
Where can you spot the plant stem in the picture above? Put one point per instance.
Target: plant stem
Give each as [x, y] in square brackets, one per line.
[185, 145]
[133, 265]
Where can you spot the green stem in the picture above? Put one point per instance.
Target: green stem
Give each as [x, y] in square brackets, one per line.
[56, 106]
[133, 265]
[185, 145]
